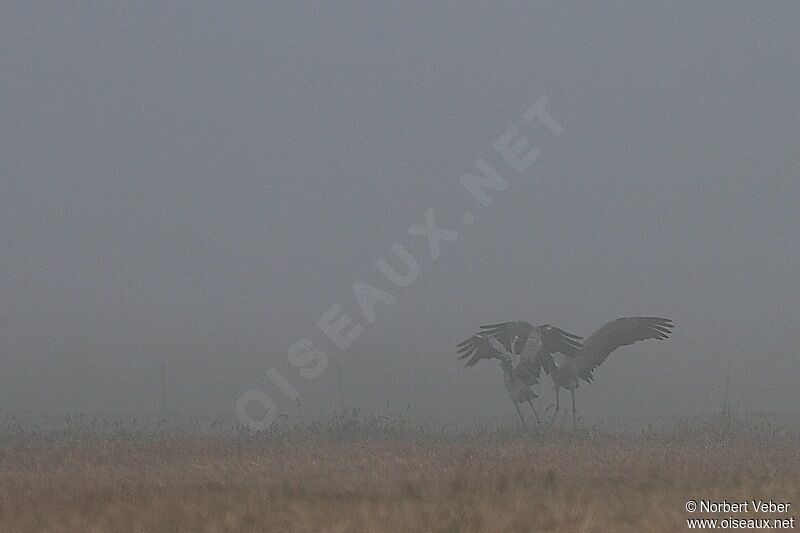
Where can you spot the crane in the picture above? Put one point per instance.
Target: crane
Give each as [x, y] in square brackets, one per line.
[566, 372]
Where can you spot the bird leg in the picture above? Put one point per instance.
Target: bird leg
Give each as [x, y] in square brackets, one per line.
[522, 420]
[573, 407]
[534, 412]
[555, 412]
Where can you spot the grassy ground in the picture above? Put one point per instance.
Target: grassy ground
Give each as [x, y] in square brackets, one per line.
[367, 478]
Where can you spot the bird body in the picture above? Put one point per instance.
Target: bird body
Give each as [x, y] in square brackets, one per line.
[563, 371]
[518, 387]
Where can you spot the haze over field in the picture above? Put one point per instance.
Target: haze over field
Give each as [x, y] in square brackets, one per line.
[200, 183]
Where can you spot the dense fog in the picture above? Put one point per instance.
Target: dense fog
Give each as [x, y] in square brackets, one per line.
[219, 188]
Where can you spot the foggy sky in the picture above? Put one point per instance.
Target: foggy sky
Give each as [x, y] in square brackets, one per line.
[200, 182]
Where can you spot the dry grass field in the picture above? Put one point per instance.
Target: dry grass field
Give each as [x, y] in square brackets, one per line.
[388, 479]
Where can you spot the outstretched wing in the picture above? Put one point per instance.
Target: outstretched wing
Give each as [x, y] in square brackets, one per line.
[506, 332]
[549, 339]
[476, 348]
[558, 340]
[620, 332]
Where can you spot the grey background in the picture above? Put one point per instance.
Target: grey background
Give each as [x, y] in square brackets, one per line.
[199, 182]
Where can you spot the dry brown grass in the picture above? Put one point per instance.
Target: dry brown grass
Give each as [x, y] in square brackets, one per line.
[373, 481]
